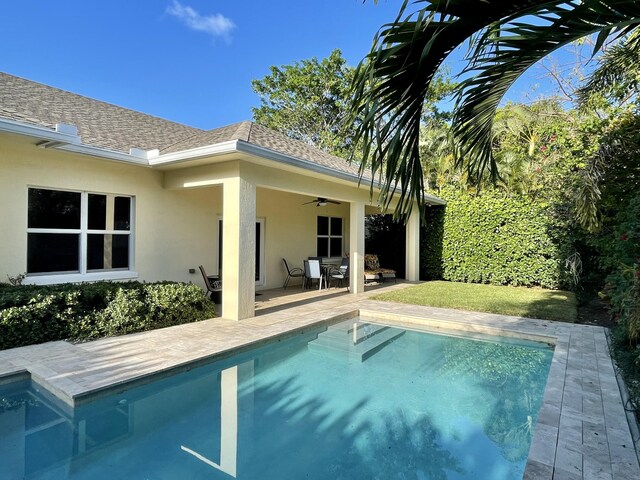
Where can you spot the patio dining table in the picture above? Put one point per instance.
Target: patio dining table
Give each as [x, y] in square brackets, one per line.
[326, 270]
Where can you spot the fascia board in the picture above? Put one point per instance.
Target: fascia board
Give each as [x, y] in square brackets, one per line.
[35, 131]
[193, 153]
[104, 153]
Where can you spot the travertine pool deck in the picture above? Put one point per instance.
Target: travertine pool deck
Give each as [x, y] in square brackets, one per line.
[582, 430]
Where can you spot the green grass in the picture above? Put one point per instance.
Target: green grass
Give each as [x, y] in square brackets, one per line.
[518, 301]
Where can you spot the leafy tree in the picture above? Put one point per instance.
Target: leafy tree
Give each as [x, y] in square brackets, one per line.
[308, 101]
[391, 83]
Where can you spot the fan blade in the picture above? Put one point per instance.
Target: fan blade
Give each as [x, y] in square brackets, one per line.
[332, 201]
[312, 201]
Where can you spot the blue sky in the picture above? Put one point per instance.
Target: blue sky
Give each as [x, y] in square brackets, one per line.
[190, 61]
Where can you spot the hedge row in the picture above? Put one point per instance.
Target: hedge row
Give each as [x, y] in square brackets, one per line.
[494, 239]
[35, 314]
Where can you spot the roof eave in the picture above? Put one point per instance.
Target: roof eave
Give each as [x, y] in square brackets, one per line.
[241, 146]
[65, 137]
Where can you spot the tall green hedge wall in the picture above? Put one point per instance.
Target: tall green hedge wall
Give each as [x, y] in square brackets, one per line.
[492, 238]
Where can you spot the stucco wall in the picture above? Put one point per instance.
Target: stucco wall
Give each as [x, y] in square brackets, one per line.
[290, 230]
[174, 229]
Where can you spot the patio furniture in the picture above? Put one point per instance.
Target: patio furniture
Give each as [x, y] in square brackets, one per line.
[214, 287]
[312, 271]
[341, 273]
[291, 273]
[373, 271]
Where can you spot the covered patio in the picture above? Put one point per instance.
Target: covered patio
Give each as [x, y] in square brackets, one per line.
[270, 213]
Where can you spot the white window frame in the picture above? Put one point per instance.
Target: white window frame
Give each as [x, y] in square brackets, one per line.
[329, 236]
[83, 275]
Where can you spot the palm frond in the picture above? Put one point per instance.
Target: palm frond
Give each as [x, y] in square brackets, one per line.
[502, 59]
[618, 72]
[392, 82]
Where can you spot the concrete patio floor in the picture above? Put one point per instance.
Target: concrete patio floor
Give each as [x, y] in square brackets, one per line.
[582, 430]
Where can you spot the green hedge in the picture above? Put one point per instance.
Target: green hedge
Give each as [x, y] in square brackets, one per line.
[35, 314]
[492, 238]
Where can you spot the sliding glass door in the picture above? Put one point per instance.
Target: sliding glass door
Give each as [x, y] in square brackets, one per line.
[259, 250]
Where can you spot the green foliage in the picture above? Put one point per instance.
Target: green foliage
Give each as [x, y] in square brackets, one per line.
[431, 244]
[308, 101]
[35, 314]
[496, 239]
[391, 83]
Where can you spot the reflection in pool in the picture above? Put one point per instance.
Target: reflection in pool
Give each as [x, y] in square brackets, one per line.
[354, 401]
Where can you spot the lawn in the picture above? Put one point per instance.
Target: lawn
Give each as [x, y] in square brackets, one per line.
[518, 301]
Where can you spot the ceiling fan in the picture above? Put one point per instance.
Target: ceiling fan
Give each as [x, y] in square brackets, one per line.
[322, 202]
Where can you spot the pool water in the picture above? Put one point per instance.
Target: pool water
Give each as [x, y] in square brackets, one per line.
[354, 401]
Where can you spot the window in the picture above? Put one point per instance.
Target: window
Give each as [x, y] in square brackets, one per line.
[329, 243]
[78, 232]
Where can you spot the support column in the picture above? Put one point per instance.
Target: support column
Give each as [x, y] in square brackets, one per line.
[412, 261]
[356, 247]
[238, 249]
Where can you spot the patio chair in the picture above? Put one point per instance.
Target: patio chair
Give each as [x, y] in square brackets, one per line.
[292, 273]
[341, 274]
[373, 272]
[214, 288]
[312, 271]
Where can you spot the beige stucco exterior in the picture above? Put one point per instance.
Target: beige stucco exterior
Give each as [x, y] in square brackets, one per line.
[177, 209]
[173, 229]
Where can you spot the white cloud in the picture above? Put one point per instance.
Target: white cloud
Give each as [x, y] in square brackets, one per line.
[216, 25]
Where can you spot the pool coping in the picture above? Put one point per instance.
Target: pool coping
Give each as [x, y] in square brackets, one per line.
[582, 430]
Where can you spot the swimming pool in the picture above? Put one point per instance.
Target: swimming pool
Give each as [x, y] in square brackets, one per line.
[356, 400]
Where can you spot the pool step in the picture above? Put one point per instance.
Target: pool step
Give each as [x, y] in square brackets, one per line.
[358, 342]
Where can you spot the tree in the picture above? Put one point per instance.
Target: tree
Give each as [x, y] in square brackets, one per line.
[613, 92]
[308, 101]
[508, 37]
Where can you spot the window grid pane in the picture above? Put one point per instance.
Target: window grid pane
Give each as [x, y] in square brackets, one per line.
[323, 225]
[53, 209]
[53, 252]
[322, 247]
[335, 247]
[336, 226]
[97, 212]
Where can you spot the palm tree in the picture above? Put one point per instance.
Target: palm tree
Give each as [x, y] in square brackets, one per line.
[508, 36]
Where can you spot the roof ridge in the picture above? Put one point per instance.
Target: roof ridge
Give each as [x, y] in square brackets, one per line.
[302, 143]
[251, 124]
[195, 134]
[237, 133]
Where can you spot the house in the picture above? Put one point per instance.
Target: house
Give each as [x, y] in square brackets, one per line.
[92, 191]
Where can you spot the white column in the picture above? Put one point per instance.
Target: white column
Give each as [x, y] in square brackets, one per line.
[412, 272]
[238, 249]
[356, 247]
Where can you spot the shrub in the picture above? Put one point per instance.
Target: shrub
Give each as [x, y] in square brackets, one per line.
[492, 238]
[34, 314]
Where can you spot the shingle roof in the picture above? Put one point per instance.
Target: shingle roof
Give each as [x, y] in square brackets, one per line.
[105, 125]
[264, 137]
[99, 124]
